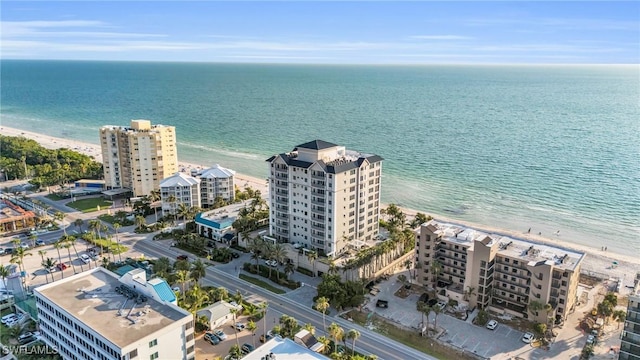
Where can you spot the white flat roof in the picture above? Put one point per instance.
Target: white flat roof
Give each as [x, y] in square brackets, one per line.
[283, 349]
[91, 298]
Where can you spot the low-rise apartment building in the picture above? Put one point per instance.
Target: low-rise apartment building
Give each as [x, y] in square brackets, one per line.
[177, 189]
[93, 315]
[216, 182]
[499, 273]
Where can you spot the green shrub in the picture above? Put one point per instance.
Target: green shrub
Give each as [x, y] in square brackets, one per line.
[305, 271]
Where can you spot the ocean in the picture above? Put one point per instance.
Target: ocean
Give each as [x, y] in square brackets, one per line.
[543, 147]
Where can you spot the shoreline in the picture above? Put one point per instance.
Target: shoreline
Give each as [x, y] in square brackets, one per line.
[595, 259]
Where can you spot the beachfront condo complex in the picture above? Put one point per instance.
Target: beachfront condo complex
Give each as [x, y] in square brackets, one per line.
[494, 272]
[216, 182]
[178, 189]
[323, 196]
[137, 157]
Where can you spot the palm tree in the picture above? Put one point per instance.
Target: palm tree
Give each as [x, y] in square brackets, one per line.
[263, 307]
[312, 256]
[48, 265]
[42, 253]
[322, 305]
[436, 269]
[117, 226]
[425, 310]
[279, 254]
[72, 240]
[234, 311]
[4, 274]
[140, 221]
[235, 351]
[59, 245]
[198, 270]
[619, 316]
[18, 258]
[436, 311]
[67, 246]
[198, 298]
[78, 223]
[353, 334]
[183, 211]
[289, 269]
[251, 326]
[182, 277]
[469, 292]
[325, 341]
[336, 333]
[59, 216]
[310, 328]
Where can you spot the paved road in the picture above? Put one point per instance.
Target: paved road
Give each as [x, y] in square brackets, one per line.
[369, 342]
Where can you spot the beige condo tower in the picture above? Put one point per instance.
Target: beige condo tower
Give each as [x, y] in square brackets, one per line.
[324, 197]
[138, 157]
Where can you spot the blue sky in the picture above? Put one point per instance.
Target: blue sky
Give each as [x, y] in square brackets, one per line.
[329, 32]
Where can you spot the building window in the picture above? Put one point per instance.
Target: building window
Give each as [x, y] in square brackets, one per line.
[154, 356]
[133, 354]
[153, 343]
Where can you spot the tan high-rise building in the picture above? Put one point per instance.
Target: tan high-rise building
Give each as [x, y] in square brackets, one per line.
[322, 196]
[507, 275]
[138, 157]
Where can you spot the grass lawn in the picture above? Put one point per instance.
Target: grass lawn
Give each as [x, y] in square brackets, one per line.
[261, 283]
[111, 245]
[409, 338]
[89, 205]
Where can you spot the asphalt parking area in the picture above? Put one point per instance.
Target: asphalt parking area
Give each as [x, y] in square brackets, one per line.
[482, 341]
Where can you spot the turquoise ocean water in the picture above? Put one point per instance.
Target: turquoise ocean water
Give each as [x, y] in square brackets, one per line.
[547, 147]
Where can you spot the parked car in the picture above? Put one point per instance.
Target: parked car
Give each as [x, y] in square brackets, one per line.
[182, 257]
[527, 338]
[40, 242]
[220, 334]
[246, 348]
[212, 338]
[24, 245]
[271, 263]
[239, 326]
[492, 324]
[235, 255]
[441, 305]
[8, 318]
[25, 337]
[85, 258]
[591, 339]
[62, 266]
[382, 304]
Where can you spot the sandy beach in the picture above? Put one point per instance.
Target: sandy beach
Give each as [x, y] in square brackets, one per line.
[596, 260]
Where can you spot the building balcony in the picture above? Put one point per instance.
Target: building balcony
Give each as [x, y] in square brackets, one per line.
[282, 176]
[282, 184]
[282, 208]
[517, 282]
[317, 209]
[451, 256]
[318, 177]
[318, 202]
[282, 192]
[318, 217]
[280, 215]
[630, 337]
[518, 274]
[281, 201]
[317, 192]
[318, 184]
[633, 318]
[517, 291]
[317, 226]
[446, 263]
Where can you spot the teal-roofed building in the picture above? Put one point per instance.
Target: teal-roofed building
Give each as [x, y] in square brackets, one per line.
[215, 224]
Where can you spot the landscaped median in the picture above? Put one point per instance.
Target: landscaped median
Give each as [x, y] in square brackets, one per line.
[271, 274]
[261, 283]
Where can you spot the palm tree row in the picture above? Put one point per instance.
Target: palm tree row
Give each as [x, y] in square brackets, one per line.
[260, 248]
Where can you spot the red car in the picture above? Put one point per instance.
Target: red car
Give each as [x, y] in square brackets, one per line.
[62, 266]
